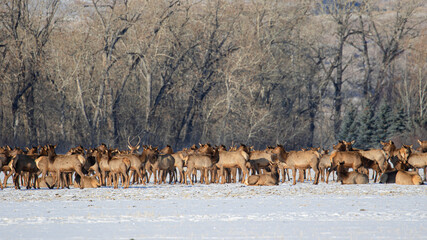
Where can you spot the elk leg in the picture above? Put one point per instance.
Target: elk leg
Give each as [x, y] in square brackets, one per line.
[57, 179]
[116, 180]
[6, 177]
[16, 180]
[28, 180]
[205, 176]
[283, 174]
[327, 175]
[294, 175]
[79, 172]
[316, 176]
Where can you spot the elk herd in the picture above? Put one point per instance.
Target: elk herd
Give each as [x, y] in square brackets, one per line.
[103, 166]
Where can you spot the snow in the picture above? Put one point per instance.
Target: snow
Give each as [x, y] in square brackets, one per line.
[229, 211]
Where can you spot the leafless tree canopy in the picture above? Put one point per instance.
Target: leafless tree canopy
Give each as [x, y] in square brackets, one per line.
[180, 72]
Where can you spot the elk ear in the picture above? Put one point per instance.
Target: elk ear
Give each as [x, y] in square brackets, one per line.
[419, 142]
[137, 147]
[129, 147]
[352, 142]
[382, 143]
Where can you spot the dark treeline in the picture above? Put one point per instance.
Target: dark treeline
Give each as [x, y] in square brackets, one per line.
[297, 73]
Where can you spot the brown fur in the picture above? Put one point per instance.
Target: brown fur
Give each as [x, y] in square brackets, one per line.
[87, 182]
[351, 177]
[423, 146]
[60, 164]
[47, 182]
[119, 168]
[266, 179]
[401, 177]
[261, 159]
[164, 164]
[22, 164]
[202, 162]
[179, 164]
[351, 159]
[324, 164]
[300, 160]
[418, 160]
[233, 159]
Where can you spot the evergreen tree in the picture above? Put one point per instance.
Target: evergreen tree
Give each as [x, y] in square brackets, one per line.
[366, 134]
[347, 128]
[383, 121]
[400, 122]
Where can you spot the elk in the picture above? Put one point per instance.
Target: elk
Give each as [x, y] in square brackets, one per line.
[202, 162]
[398, 157]
[20, 164]
[4, 164]
[324, 164]
[261, 159]
[401, 177]
[149, 155]
[133, 149]
[233, 159]
[417, 160]
[91, 165]
[86, 181]
[300, 160]
[266, 179]
[353, 177]
[162, 165]
[77, 150]
[60, 164]
[102, 157]
[351, 159]
[423, 146]
[136, 162]
[119, 168]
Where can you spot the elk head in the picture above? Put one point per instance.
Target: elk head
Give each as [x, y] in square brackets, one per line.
[134, 148]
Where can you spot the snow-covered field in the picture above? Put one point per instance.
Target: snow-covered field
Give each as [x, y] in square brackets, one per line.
[230, 211]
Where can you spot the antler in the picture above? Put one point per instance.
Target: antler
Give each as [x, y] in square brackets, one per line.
[130, 145]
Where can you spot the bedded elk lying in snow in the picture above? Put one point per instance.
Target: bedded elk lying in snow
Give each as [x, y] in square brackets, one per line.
[266, 179]
[353, 177]
[401, 177]
[86, 181]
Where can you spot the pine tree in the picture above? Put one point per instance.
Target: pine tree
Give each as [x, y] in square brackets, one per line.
[347, 128]
[383, 121]
[366, 131]
[400, 122]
